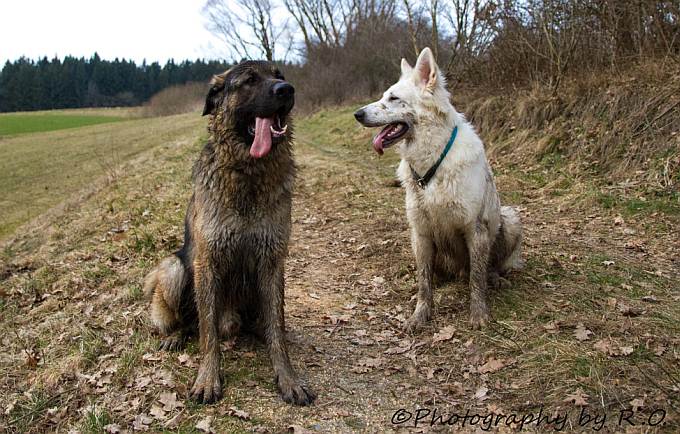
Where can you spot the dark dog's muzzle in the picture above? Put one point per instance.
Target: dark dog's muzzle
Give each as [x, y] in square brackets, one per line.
[283, 90]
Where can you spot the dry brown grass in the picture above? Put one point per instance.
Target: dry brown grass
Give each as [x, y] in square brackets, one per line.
[175, 100]
[622, 125]
[72, 302]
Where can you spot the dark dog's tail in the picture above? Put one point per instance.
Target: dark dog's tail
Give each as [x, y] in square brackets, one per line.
[165, 286]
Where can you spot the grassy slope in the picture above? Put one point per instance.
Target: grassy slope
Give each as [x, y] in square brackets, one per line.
[79, 352]
[39, 171]
[51, 120]
[30, 123]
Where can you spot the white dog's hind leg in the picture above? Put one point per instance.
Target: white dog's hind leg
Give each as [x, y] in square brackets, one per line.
[479, 246]
[512, 240]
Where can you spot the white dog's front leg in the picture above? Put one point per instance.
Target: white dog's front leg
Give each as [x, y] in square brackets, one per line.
[479, 246]
[423, 247]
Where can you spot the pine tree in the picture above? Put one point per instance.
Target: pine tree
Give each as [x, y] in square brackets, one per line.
[79, 82]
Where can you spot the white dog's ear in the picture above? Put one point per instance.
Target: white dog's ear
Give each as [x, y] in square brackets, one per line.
[427, 71]
[405, 67]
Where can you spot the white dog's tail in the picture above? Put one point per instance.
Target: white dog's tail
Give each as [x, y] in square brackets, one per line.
[512, 234]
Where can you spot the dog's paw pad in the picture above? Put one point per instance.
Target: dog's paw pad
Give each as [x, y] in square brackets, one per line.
[207, 388]
[294, 393]
[418, 320]
[206, 393]
[412, 325]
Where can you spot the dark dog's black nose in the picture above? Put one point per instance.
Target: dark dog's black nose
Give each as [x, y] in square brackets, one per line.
[359, 115]
[283, 90]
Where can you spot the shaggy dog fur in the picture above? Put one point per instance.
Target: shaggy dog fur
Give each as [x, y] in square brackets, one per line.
[229, 273]
[457, 222]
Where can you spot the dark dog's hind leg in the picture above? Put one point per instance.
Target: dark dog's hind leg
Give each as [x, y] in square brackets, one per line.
[166, 285]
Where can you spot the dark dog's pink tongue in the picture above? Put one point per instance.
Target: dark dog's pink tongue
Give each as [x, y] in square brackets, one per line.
[262, 143]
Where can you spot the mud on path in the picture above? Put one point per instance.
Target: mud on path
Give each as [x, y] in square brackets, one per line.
[590, 325]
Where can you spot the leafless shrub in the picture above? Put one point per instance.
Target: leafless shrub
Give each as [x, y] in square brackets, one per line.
[494, 43]
[544, 41]
[363, 63]
[531, 65]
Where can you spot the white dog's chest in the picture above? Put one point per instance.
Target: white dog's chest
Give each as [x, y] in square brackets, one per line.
[443, 205]
[446, 205]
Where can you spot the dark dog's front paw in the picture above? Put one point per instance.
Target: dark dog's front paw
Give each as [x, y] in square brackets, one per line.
[479, 318]
[293, 392]
[207, 388]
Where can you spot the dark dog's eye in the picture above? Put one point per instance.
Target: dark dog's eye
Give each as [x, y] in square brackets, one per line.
[393, 98]
[252, 79]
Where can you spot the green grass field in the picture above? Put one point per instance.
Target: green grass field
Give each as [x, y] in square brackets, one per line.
[12, 124]
[41, 170]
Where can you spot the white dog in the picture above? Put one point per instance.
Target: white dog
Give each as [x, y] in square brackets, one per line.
[457, 222]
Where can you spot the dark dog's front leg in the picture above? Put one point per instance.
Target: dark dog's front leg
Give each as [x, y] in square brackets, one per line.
[479, 246]
[423, 247]
[271, 297]
[208, 385]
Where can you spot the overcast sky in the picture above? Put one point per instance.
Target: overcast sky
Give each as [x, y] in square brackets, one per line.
[133, 29]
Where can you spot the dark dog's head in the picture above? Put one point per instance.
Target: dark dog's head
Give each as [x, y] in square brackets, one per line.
[254, 100]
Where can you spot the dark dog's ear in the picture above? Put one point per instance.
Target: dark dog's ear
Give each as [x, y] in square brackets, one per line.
[216, 88]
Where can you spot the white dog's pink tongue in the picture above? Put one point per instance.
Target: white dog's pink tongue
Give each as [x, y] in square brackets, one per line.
[379, 139]
[262, 143]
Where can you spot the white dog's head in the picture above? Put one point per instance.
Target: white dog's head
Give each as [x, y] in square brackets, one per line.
[417, 98]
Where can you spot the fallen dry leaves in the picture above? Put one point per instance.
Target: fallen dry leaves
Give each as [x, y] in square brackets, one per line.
[578, 398]
[610, 348]
[349, 316]
[205, 424]
[581, 333]
[444, 334]
[481, 393]
[493, 365]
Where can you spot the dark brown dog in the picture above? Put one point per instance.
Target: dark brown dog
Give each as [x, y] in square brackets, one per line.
[229, 273]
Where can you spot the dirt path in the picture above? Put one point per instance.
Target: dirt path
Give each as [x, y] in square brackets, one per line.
[351, 269]
[590, 325]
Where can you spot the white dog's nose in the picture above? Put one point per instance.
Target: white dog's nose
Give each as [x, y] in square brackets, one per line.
[359, 115]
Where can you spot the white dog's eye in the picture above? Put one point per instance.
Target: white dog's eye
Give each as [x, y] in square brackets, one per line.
[393, 98]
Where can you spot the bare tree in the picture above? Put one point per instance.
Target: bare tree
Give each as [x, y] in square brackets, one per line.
[246, 26]
[413, 25]
[434, 10]
[322, 21]
[470, 22]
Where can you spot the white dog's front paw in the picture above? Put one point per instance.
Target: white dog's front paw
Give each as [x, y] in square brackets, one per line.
[421, 315]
